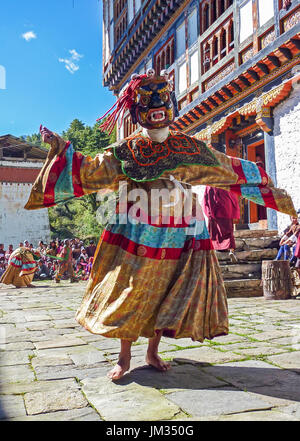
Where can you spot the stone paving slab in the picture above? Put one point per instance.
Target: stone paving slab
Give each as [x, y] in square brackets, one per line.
[130, 402]
[222, 401]
[54, 400]
[260, 377]
[20, 388]
[12, 374]
[262, 415]
[291, 362]
[59, 342]
[14, 358]
[180, 377]
[201, 355]
[83, 414]
[14, 406]
[51, 369]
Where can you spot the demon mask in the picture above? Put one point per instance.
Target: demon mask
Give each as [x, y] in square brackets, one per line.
[155, 103]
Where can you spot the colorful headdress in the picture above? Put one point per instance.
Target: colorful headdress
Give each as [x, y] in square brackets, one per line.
[124, 103]
[129, 97]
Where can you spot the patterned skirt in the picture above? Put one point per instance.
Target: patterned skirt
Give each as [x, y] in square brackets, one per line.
[20, 270]
[147, 279]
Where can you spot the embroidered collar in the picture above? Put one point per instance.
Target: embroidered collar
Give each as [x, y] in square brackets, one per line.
[145, 160]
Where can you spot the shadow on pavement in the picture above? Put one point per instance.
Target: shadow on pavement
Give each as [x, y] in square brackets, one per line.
[273, 382]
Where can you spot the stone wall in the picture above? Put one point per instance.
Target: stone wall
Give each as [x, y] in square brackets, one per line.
[16, 223]
[287, 149]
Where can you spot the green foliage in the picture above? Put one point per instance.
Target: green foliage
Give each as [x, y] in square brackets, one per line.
[88, 140]
[36, 139]
[77, 217]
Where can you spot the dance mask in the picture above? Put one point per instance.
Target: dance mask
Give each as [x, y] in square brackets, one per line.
[150, 100]
[155, 103]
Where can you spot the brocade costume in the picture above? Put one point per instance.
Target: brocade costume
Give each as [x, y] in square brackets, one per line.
[155, 274]
[21, 268]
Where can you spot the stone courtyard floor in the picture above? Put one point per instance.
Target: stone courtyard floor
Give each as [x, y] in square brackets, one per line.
[53, 369]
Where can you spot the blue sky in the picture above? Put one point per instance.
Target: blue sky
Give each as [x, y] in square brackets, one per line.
[52, 56]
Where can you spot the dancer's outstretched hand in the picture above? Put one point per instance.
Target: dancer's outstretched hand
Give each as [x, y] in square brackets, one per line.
[47, 135]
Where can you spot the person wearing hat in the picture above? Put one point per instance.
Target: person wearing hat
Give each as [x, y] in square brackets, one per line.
[22, 265]
[155, 271]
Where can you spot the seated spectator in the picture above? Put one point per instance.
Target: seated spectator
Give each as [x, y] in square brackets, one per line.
[81, 269]
[84, 255]
[288, 240]
[297, 255]
[51, 268]
[2, 253]
[21, 244]
[42, 272]
[90, 264]
[41, 247]
[91, 249]
[2, 268]
[8, 253]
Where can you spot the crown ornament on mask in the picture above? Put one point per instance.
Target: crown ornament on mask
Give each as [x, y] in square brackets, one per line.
[138, 96]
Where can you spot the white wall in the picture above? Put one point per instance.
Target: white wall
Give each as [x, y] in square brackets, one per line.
[287, 149]
[18, 224]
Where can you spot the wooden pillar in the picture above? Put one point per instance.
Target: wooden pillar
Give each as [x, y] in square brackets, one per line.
[236, 24]
[218, 35]
[211, 52]
[227, 28]
[255, 26]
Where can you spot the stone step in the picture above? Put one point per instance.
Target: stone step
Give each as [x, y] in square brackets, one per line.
[241, 234]
[241, 271]
[254, 243]
[248, 256]
[243, 288]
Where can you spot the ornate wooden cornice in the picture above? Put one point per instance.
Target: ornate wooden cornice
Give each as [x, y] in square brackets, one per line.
[232, 94]
[260, 106]
[141, 38]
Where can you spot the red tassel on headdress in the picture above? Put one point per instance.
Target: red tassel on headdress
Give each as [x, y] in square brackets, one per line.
[125, 102]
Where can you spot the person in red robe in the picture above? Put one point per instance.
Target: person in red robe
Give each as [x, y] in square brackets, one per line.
[221, 208]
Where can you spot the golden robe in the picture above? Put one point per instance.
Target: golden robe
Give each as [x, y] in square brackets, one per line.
[153, 273]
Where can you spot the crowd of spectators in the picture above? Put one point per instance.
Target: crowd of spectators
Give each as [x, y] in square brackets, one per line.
[82, 257]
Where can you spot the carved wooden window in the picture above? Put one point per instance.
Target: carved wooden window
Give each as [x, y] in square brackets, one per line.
[215, 50]
[223, 43]
[206, 21]
[129, 128]
[222, 7]
[164, 58]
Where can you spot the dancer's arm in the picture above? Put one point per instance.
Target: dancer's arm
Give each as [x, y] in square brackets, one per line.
[244, 178]
[67, 174]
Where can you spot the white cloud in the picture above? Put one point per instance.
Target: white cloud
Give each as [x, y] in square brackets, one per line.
[70, 63]
[29, 35]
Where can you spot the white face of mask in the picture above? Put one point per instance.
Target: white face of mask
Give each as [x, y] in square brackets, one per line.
[157, 135]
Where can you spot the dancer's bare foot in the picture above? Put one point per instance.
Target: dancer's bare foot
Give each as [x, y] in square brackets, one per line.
[31, 286]
[119, 370]
[155, 361]
[123, 364]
